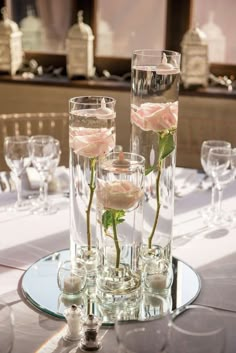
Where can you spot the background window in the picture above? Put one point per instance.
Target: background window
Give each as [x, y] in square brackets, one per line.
[124, 26]
[217, 18]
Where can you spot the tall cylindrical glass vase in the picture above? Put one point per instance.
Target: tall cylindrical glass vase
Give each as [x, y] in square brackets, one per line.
[154, 118]
[91, 136]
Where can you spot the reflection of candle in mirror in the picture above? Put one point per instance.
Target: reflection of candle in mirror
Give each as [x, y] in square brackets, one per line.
[72, 284]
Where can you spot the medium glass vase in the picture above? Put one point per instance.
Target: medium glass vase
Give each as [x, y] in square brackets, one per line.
[154, 118]
[91, 136]
[120, 181]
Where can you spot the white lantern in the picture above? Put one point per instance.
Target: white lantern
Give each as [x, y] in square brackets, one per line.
[195, 67]
[79, 48]
[11, 54]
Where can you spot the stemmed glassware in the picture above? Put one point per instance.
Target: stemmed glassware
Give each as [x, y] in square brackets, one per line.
[17, 153]
[197, 329]
[208, 213]
[219, 160]
[53, 165]
[45, 155]
[6, 327]
[138, 335]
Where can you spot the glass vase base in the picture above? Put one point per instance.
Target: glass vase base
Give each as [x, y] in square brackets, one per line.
[116, 286]
[89, 259]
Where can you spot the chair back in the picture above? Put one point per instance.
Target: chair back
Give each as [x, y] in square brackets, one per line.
[29, 124]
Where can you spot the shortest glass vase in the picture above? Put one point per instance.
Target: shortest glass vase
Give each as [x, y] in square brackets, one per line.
[71, 278]
[120, 179]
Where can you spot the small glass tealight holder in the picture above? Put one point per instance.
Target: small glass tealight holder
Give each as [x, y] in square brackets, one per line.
[71, 278]
[158, 276]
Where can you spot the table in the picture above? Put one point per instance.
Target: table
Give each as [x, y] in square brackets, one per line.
[26, 238]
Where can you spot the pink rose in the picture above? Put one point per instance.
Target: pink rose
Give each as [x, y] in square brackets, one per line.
[155, 116]
[118, 195]
[91, 142]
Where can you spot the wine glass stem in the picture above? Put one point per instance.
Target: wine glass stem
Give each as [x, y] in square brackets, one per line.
[219, 201]
[45, 190]
[19, 190]
[213, 196]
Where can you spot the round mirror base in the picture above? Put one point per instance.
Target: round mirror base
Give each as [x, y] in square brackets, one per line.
[39, 287]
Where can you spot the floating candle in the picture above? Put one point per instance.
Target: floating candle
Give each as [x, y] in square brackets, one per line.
[165, 68]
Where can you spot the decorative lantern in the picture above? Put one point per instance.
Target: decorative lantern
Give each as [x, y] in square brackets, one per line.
[79, 47]
[11, 54]
[195, 68]
[32, 31]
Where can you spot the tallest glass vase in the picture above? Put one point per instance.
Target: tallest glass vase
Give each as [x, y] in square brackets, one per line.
[154, 119]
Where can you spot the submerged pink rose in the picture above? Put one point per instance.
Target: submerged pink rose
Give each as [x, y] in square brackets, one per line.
[118, 195]
[91, 142]
[155, 116]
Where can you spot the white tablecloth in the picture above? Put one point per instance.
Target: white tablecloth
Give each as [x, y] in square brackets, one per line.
[26, 238]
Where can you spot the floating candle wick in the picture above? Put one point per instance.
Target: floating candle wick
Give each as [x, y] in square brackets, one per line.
[164, 59]
[164, 65]
[103, 111]
[103, 104]
[121, 162]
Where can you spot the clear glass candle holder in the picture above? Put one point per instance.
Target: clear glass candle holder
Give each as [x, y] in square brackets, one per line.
[91, 136]
[120, 182]
[71, 278]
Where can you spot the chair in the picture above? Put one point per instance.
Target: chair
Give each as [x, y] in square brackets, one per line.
[29, 124]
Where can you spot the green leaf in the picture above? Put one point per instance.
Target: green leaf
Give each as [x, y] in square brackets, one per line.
[166, 145]
[149, 170]
[108, 215]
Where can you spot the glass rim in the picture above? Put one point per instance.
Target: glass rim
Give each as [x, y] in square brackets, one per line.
[156, 52]
[220, 150]
[17, 138]
[140, 158]
[108, 100]
[189, 332]
[38, 138]
[209, 142]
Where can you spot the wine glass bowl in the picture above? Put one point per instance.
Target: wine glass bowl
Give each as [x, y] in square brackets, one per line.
[205, 148]
[218, 161]
[141, 335]
[209, 213]
[45, 158]
[6, 328]
[17, 153]
[196, 329]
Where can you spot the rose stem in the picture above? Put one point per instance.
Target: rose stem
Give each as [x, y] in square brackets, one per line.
[92, 188]
[116, 240]
[158, 206]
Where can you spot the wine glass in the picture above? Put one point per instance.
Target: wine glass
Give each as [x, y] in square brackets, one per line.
[141, 335]
[53, 165]
[218, 162]
[45, 154]
[18, 156]
[196, 329]
[209, 212]
[6, 328]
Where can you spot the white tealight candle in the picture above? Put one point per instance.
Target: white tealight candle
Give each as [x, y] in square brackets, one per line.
[158, 281]
[72, 284]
